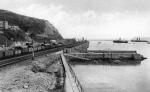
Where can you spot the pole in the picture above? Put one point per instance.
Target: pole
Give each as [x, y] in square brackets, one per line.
[32, 51]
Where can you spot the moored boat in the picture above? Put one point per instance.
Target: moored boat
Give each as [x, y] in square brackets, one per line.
[99, 42]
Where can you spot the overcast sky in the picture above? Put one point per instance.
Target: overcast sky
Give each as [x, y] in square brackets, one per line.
[92, 19]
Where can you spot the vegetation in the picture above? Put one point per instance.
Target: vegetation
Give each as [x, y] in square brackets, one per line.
[33, 26]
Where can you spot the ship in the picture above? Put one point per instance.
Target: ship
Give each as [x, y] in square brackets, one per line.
[120, 41]
[139, 40]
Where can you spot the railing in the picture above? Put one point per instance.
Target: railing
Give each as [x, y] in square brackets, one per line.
[76, 79]
[77, 82]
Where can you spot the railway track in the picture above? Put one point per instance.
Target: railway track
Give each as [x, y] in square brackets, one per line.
[23, 57]
[37, 54]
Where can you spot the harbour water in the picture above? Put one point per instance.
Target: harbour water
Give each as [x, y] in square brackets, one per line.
[110, 78]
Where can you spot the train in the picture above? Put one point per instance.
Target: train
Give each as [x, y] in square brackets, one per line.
[19, 51]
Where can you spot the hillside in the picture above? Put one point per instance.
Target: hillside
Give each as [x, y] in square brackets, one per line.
[37, 28]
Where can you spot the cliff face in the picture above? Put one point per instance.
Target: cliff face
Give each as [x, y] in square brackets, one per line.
[53, 34]
[35, 27]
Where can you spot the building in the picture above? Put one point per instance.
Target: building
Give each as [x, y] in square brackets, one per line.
[4, 25]
[14, 27]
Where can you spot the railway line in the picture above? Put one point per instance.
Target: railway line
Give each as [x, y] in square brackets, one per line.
[29, 56]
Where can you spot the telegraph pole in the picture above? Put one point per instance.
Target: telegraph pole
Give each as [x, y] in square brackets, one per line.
[32, 45]
[32, 50]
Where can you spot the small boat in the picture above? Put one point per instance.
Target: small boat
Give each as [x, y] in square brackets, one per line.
[120, 41]
[99, 42]
[138, 40]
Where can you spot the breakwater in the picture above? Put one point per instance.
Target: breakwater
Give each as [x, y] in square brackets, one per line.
[119, 56]
[107, 57]
[80, 53]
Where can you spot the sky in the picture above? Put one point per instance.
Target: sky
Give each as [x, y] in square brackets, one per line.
[92, 19]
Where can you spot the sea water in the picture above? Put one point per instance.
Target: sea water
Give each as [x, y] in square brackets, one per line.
[110, 78]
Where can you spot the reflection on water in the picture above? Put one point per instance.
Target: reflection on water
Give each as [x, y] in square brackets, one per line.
[106, 78]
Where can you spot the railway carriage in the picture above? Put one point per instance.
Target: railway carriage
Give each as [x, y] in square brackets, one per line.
[25, 50]
[39, 47]
[8, 53]
[30, 49]
[35, 48]
[1, 54]
[17, 52]
[42, 47]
